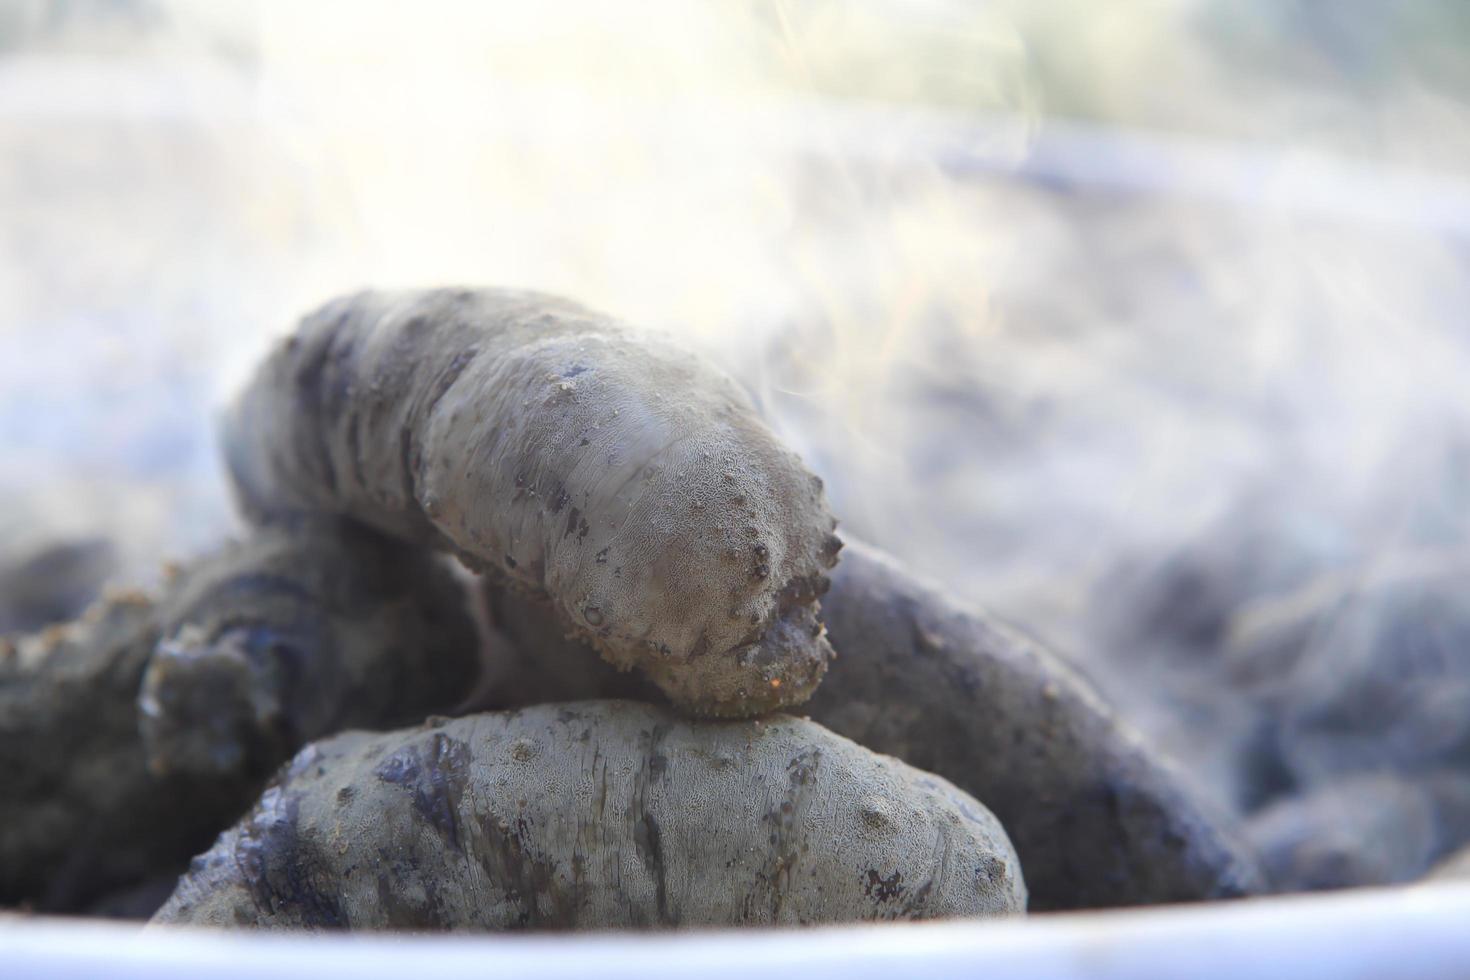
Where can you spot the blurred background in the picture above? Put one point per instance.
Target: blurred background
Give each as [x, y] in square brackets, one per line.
[1142, 323]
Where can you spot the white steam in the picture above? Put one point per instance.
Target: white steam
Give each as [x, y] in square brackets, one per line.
[1041, 359]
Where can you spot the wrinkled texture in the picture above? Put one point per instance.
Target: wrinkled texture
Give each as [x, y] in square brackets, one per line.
[1097, 817]
[630, 482]
[306, 631]
[600, 814]
[245, 654]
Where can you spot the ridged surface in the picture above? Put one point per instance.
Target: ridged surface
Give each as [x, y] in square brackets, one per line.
[600, 814]
[630, 482]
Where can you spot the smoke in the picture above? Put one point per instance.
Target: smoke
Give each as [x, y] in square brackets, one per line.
[1126, 320]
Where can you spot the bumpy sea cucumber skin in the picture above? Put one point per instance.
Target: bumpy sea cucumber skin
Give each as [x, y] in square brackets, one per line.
[131, 736]
[1098, 816]
[298, 632]
[630, 482]
[596, 815]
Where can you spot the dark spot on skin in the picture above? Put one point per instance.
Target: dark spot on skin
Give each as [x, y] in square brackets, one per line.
[786, 818]
[536, 571]
[993, 870]
[407, 463]
[883, 889]
[602, 556]
[802, 769]
[559, 499]
[310, 399]
[527, 877]
[402, 912]
[800, 591]
[649, 843]
[647, 838]
[437, 779]
[278, 870]
[450, 375]
[701, 647]
[582, 530]
[510, 562]
[354, 448]
[919, 898]
[573, 516]
[325, 391]
[401, 768]
[573, 371]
